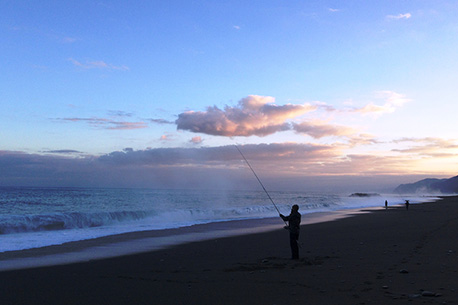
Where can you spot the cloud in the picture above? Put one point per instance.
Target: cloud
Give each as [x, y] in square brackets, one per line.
[362, 139]
[165, 137]
[108, 123]
[126, 125]
[428, 147]
[196, 140]
[120, 113]
[161, 121]
[254, 115]
[63, 151]
[281, 166]
[334, 10]
[259, 116]
[399, 16]
[368, 164]
[98, 64]
[392, 100]
[237, 27]
[318, 130]
[224, 156]
[22, 169]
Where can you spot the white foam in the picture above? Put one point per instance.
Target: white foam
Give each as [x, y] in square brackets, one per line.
[79, 252]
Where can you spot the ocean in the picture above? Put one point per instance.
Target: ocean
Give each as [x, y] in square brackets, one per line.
[40, 217]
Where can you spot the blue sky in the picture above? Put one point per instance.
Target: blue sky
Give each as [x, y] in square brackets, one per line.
[312, 90]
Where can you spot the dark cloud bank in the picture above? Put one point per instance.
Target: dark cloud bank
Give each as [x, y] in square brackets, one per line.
[280, 166]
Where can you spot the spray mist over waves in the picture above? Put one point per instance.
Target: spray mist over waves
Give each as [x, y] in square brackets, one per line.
[40, 217]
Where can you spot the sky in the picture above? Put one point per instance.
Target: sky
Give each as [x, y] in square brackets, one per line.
[318, 95]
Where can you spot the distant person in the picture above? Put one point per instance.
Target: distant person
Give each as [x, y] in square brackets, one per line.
[294, 221]
[386, 204]
[407, 204]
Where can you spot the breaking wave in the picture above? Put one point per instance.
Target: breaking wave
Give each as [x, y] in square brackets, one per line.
[64, 221]
[37, 217]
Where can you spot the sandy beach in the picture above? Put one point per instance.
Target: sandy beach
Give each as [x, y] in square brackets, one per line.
[389, 256]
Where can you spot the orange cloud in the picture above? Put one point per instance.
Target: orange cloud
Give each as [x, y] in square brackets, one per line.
[196, 140]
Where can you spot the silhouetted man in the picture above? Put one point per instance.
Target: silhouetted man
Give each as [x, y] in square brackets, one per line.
[294, 221]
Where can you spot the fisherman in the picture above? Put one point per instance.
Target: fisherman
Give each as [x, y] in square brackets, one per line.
[294, 221]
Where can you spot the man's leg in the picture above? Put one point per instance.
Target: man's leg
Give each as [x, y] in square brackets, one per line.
[294, 246]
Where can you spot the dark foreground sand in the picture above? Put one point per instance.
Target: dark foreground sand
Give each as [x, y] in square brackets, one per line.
[389, 256]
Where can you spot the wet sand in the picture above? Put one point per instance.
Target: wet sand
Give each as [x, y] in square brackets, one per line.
[389, 256]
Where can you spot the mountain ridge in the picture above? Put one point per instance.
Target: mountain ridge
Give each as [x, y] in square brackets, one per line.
[430, 185]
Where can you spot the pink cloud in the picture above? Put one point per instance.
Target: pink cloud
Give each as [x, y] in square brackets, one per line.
[126, 125]
[428, 147]
[319, 130]
[392, 101]
[254, 115]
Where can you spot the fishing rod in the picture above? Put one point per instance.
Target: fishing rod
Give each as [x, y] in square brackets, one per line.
[259, 180]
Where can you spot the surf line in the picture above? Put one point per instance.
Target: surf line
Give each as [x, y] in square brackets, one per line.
[259, 180]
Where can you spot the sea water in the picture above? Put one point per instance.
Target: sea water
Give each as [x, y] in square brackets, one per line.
[39, 217]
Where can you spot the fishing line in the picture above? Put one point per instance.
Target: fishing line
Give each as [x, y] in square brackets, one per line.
[259, 180]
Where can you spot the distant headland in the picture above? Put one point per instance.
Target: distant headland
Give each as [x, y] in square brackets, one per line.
[430, 185]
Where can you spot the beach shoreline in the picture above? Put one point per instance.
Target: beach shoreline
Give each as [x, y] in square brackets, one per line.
[153, 240]
[386, 256]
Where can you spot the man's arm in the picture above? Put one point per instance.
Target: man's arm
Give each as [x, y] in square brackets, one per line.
[285, 218]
